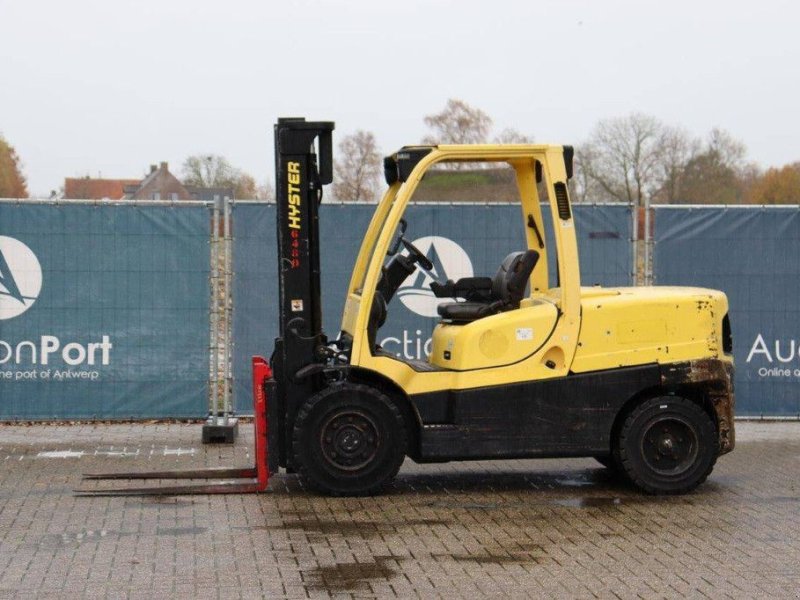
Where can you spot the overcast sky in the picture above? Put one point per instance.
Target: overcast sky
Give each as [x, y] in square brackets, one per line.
[111, 86]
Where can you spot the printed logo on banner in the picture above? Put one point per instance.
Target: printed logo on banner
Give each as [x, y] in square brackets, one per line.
[450, 261]
[20, 277]
[776, 358]
[42, 357]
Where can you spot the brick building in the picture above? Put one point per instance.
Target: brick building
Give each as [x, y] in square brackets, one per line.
[159, 184]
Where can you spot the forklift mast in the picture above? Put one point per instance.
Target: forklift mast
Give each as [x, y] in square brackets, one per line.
[301, 172]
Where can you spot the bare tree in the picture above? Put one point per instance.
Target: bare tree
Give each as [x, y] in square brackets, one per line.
[357, 168]
[678, 149]
[623, 157]
[213, 170]
[458, 123]
[583, 188]
[208, 170]
[510, 135]
[266, 191]
[730, 151]
[632, 158]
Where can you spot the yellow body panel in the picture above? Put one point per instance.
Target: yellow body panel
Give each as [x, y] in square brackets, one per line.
[351, 308]
[632, 326]
[556, 351]
[621, 327]
[496, 340]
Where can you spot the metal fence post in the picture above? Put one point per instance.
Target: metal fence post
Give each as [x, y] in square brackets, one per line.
[228, 299]
[220, 427]
[214, 315]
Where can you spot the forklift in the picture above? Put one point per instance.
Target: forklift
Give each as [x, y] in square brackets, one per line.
[640, 379]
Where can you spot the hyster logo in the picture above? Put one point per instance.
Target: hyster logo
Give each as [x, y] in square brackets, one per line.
[449, 262]
[20, 277]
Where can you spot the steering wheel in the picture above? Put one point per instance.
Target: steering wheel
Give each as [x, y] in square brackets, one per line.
[423, 261]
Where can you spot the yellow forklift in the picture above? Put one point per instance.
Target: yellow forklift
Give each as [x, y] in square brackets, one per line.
[638, 378]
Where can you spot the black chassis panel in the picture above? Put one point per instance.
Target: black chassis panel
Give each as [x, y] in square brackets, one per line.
[568, 416]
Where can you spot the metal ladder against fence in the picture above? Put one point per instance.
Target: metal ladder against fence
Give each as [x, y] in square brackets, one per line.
[221, 424]
[649, 243]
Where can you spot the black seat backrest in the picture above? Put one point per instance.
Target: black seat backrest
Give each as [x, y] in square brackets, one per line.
[509, 283]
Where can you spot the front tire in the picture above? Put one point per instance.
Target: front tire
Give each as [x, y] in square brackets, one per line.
[349, 440]
[668, 445]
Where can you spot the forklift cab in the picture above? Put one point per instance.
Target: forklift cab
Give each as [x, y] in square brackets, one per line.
[485, 322]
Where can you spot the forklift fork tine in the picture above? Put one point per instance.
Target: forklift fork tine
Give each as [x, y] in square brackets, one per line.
[223, 487]
[240, 480]
[213, 473]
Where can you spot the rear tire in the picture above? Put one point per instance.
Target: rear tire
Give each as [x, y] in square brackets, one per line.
[667, 445]
[349, 440]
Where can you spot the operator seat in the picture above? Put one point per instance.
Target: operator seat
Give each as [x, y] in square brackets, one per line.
[506, 292]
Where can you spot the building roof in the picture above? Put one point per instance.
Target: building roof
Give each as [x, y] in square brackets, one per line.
[158, 184]
[96, 189]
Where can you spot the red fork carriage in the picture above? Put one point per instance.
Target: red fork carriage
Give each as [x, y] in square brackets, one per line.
[228, 480]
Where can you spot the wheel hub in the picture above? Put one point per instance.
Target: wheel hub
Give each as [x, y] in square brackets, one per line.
[666, 445]
[349, 440]
[669, 446]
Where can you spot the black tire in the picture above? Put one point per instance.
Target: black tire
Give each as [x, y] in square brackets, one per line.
[667, 445]
[349, 440]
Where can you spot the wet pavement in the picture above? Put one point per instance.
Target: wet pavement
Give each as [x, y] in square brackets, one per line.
[546, 528]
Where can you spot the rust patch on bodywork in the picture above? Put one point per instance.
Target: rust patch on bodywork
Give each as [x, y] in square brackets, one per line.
[715, 378]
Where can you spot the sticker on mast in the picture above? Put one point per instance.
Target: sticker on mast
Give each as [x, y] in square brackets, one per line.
[293, 211]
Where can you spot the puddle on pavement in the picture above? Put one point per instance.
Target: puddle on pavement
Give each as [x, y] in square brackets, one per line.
[588, 502]
[515, 481]
[346, 577]
[363, 528]
[465, 505]
[572, 502]
[497, 555]
[159, 501]
[475, 505]
[575, 482]
[486, 559]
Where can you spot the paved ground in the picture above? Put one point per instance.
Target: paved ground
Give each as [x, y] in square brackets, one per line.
[550, 528]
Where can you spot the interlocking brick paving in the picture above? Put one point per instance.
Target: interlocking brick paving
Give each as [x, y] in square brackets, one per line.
[546, 528]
